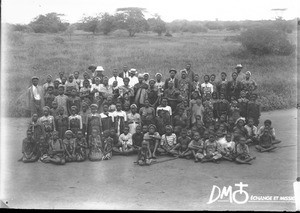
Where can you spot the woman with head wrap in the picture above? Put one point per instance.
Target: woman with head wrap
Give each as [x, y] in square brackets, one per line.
[249, 85]
[152, 94]
[48, 121]
[48, 83]
[61, 122]
[133, 119]
[140, 91]
[185, 86]
[75, 121]
[70, 84]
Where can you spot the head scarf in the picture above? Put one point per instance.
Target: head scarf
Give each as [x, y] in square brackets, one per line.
[158, 74]
[133, 106]
[68, 132]
[248, 72]
[152, 125]
[241, 118]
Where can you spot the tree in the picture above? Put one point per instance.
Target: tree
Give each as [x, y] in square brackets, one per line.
[90, 24]
[157, 25]
[49, 23]
[107, 23]
[70, 31]
[131, 19]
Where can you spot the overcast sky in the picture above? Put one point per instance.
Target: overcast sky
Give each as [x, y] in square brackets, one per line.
[23, 11]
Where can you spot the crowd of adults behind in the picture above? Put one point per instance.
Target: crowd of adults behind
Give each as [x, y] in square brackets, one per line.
[97, 117]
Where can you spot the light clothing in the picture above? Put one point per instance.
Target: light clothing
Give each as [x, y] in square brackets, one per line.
[133, 80]
[168, 140]
[118, 79]
[97, 87]
[252, 132]
[207, 88]
[125, 139]
[166, 108]
[36, 94]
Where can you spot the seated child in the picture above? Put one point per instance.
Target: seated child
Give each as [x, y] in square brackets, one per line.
[227, 149]
[43, 146]
[268, 125]
[177, 131]
[107, 145]
[81, 146]
[29, 149]
[168, 142]
[252, 130]
[137, 138]
[144, 155]
[265, 142]
[116, 143]
[242, 151]
[183, 145]
[211, 150]
[54, 110]
[69, 146]
[56, 151]
[126, 140]
[95, 145]
[196, 147]
[152, 138]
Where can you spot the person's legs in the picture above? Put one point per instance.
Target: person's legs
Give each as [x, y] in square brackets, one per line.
[240, 161]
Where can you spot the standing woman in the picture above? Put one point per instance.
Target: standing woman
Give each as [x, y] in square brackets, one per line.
[234, 87]
[140, 91]
[152, 94]
[133, 119]
[249, 85]
[172, 95]
[35, 94]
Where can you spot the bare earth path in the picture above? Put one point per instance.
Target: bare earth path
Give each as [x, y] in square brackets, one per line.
[119, 184]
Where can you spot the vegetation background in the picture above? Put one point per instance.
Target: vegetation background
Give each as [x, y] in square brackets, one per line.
[213, 50]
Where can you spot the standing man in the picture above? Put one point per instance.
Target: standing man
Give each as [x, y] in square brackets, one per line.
[175, 80]
[125, 72]
[35, 97]
[115, 78]
[98, 73]
[241, 75]
[132, 77]
[92, 68]
[190, 73]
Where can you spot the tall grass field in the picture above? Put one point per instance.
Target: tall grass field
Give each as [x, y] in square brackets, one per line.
[29, 54]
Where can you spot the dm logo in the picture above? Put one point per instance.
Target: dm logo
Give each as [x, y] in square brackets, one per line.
[239, 196]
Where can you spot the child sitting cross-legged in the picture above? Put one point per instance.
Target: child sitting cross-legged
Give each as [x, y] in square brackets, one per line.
[196, 147]
[144, 155]
[265, 142]
[242, 151]
[137, 138]
[81, 146]
[107, 145]
[29, 149]
[211, 150]
[168, 142]
[227, 149]
[56, 152]
[126, 141]
[183, 145]
[268, 125]
[69, 146]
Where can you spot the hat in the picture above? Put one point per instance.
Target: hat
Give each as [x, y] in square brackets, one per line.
[132, 70]
[35, 77]
[169, 126]
[92, 67]
[238, 66]
[97, 78]
[133, 106]
[224, 73]
[74, 107]
[241, 118]
[140, 75]
[248, 72]
[172, 70]
[59, 86]
[94, 105]
[152, 80]
[152, 125]
[68, 132]
[158, 74]
[99, 68]
[182, 71]
[46, 108]
[146, 73]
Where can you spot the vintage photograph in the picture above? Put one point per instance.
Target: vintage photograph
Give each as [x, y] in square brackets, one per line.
[150, 105]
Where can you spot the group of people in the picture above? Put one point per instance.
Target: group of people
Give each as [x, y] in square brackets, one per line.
[97, 117]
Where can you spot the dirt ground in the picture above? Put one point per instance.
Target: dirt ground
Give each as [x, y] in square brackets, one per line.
[119, 184]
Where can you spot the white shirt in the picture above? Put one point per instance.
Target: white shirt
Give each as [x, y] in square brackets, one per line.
[133, 80]
[35, 92]
[110, 114]
[166, 108]
[98, 88]
[207, 87]
[118, 79]
[120, 114]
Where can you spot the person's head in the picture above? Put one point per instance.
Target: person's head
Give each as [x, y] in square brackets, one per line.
[195, 95]
[63, 79]
[50, 90]
[126, 81]
[253, 97]
[141, 78]
[188, 66]
[61, 74]
[222, 96]
[112, 132]
[196, 77]
[46, 111]
[151, 83]
[212, 77]
[238, 68]
[208, 96]
[54, 135]
[164, 102]
[211, 128]
[183, 133]
[206, 135]
[115, 84]
[189, 133]
[84, 106]
[158, 77]
[194, 129]
[76, 74]
[105, 80]
[94, 132]
[105, 133]
[94, 108]
[248, 74]
[234, 75]
[250, 122]
[151, 129]
[133, 108]
[183, 74]
[240, 122]
[217, 125]
[170, 84]
[145, 129]
[127, 107]
[73, 92]
[177, 130]
[105, 108]
[54, 105]
[223, 118]
[169, 130]
[196, 136]
[223, 76]
[56, 83]
[146, 103]
[212, 137]
[206, 78]
[71, 78]
[138, 129]
[268, 123]
[68, 134]
[125, 68]
[86, 76]
[198, 102]
[49, 79]
[126, 130]
[86, 83]
[172, 73]
[115, 72]
[219, 133]
[132, 72]
[79, 134]
[146, 76]
[29, 134]
[180, 111]
[73, 110]
[242, 140]
[119, 106]
[228, 137]
[214, 95]
[35, 80]
[230, 120]
[243, 93]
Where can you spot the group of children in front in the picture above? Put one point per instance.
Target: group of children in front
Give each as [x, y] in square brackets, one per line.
[206, 122]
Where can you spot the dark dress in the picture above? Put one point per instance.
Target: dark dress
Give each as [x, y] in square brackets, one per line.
[61, 124]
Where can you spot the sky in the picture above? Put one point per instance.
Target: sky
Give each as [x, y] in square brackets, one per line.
[24, 11]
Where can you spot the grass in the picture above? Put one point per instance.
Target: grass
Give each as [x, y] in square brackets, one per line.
[42, 54]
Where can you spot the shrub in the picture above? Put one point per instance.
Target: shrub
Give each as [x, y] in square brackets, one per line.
[263, 40]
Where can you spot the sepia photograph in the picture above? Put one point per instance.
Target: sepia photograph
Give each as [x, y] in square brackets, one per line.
[150, 105]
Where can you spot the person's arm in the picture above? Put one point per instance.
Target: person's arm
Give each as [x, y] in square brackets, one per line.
[80, 121]
[74, 148]
[121, 139]
[69, 123]
[53, 124]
